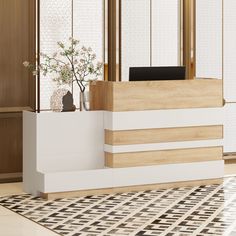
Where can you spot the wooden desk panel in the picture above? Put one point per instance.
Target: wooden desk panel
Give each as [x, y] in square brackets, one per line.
[155, 95]
[150, 158]
[127, 137]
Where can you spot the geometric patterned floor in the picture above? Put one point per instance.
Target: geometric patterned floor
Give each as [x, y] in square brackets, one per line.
[204, 210]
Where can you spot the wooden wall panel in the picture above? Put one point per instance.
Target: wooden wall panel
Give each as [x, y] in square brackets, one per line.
[17, 44]
[31, 53]
[10, 143]
[17, 85]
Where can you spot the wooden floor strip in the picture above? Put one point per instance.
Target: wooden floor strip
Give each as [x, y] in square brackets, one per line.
[51, 196]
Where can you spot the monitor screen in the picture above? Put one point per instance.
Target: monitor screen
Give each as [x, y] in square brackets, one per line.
[156, 73]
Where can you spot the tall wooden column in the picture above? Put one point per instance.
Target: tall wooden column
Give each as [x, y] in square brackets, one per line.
[17, 86]
[113, 40]
[189, 43]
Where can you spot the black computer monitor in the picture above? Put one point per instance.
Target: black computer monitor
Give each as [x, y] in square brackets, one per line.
[157, 73]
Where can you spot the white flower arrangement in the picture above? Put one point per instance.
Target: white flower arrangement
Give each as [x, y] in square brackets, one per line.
[73, 63]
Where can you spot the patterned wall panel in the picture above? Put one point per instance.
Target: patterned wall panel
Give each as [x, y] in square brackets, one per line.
[135, 35]
[209, 38]
[88, 27]
[165, 32]
[230, 127]
[55, 25]
[229, 50]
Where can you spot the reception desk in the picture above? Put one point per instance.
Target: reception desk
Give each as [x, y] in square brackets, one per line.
[161, 122]
[138, 136]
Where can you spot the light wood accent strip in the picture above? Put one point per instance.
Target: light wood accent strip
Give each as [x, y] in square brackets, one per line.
[10, 177]
[154, 95]
[14, 109]
[133, 159]
[79, 193]
[127, 137]
[230, 156]
[230, 168]
[51, 196]
[230, 161]
[10, 115]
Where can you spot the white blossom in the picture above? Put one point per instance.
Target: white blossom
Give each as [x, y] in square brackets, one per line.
[26, 63]
[70, 63]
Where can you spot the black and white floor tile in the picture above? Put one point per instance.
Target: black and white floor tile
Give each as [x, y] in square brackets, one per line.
[204, 210]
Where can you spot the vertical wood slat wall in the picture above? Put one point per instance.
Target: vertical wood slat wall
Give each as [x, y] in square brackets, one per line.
[189, 37]
[17, 86]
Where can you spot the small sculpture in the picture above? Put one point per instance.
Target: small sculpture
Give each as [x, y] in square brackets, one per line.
[67, 102]
[62, 100]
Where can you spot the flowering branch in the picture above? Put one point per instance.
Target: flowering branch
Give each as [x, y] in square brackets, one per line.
[74, 63]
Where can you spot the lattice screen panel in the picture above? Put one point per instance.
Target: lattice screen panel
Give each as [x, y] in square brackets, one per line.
[230, 127]
[230, 50]
[165, 32]
[55, 25]
[88, 27]
[209, 38]
[59, 20]
[135, 35]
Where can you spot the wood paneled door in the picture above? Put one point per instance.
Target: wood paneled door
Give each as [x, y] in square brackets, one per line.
[17, 86]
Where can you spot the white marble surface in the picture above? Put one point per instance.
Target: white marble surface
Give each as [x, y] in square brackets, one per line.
[12, 224]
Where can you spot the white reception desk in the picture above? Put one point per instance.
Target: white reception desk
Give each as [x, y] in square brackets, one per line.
[139, 136]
